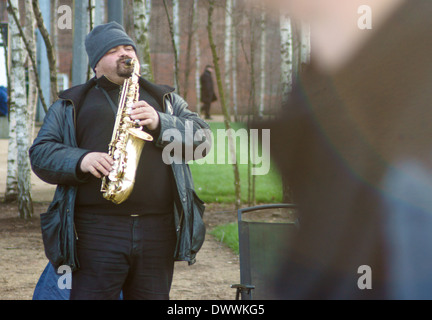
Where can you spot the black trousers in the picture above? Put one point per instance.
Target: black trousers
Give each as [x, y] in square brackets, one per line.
[128, 254]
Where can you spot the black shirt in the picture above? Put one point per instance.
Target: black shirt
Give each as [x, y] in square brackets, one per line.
[153, 190]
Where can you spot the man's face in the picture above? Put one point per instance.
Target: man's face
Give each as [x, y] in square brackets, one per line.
[112, 65]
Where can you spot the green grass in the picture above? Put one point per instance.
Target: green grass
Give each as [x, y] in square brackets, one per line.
[228, 234]
[214, 182]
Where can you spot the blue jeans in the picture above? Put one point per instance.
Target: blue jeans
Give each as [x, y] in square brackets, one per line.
[47, 286]
[129, 254]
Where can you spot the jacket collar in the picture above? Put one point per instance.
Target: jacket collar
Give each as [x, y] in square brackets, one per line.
[77, 93]
[157, 91]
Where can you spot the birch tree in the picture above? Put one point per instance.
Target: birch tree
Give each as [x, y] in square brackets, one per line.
[287, 49]
[176, 40]
[52, 59]
[32, 88]
[286, 55]
[18, 106]
[141, 24]
[174, 31]
[227, 121]
[234, 64]
[197, 57]
[53, 27]
[228, 50]
[252, 99]
[15, 18]
[263, 47]
[190, 36]
[11, 193]
[305, 43]
[91, 10]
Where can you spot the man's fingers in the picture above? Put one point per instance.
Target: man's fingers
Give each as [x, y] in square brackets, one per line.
[103, 167]
[97, 164]
[146, 122]
[143, 112]
[95, 172]
[107, 158]
[140, 104]
[106, 162]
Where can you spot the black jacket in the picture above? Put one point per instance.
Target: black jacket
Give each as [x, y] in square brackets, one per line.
[55, 155]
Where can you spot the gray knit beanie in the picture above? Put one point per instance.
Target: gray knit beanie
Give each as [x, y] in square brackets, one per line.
[103, 38]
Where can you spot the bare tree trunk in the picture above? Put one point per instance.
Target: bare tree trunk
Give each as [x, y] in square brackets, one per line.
[287, 77]
[263, 47]
[287, 55]
[32, 91]
[142, 40]
[91, 18]
[197, 58]
[305, 43]
[228, 51]
[11, 193]
[13, 16]
[53, 25]
[253, 110]
[148, 8]
[19, 104]
[227, 121]
[188, 68]
[234, 67]
[174, 40]
[52, 59]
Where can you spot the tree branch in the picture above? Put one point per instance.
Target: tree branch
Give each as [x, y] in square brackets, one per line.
[49, 48]
[227, 119]
[27, 46]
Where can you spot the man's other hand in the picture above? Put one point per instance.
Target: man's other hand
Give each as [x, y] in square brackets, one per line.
[97, 163]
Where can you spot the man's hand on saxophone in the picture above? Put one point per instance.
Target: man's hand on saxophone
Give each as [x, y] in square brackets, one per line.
[146, 115]
[97, 163]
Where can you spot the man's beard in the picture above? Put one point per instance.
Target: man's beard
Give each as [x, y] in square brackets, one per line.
[122, 70]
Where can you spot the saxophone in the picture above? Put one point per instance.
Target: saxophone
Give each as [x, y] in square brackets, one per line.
[126, 144]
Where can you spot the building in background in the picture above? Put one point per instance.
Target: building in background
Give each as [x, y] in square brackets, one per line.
[247, 30]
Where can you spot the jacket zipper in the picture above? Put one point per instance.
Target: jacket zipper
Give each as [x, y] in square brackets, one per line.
[74, 114]
[180, 220]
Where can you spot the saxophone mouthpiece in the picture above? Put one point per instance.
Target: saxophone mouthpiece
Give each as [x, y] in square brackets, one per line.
[128, 62]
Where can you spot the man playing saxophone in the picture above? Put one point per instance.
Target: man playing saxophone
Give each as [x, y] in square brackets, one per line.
[111, 248]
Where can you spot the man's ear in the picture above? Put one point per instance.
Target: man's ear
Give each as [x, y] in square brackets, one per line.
[95, 69]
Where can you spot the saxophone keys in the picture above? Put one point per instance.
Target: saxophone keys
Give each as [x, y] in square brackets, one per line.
[116, 154]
